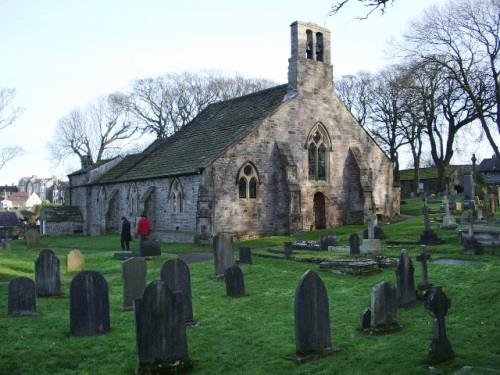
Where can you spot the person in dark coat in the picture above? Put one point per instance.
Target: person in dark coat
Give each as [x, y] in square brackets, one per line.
[125, 235]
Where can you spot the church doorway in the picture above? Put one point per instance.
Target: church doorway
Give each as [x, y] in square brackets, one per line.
[319, 211]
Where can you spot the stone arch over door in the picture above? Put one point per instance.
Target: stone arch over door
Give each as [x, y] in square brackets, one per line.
[112, 214]
[147, 206]
[319, 209]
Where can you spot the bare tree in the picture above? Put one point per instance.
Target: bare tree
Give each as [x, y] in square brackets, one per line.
[98, 131]
[356, 91]
[8, 115]
[464, 39]
[163, 105]
[373, 5]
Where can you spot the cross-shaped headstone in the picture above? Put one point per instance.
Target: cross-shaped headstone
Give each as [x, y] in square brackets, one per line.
[423, 258]
[371, 224]
[438, 305]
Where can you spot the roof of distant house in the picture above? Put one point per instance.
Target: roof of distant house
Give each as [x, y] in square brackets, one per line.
[430, 172]
[19, 196]
[489, 165]
[9, 219]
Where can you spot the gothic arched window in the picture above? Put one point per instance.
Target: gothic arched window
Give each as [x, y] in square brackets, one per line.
[133, 201]
[247, 181]
[318, 146]
[176, 197]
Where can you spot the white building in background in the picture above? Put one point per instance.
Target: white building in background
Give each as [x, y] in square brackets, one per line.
[51, 189]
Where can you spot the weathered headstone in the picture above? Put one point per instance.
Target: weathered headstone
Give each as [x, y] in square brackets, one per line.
[223, 253]
[235, 284]
[471, 244]
[22, 297]
[149, 248]
[312, 318]
[438, 305]
[405, 276]
[354, 244]
[326, 240]
[287, 249]
[378, 233]
[75, 262]
[245, 255]
[468, 186]
[32, 237]
[89, 304]
[448, 219]
[384, 309]
[175, 273]
[161, 331]
[134, 272]
[424, 285]
[429, 237]
[47, 274]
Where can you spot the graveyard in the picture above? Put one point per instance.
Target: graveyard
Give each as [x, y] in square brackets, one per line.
[255, 332]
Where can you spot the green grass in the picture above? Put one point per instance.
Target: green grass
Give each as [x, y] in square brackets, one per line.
[255, 334]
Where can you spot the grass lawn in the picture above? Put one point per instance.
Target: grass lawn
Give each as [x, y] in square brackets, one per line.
[255, 334]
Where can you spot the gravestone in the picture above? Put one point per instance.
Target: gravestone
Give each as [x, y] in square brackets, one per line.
[405, 276]
[32, 237]
[438, 305]
[468, 186]
[383, 311]
[75, 262]
[326, 240]
[354, 244]
[4, 244]
[175, 274]
[378, 233]
[370, 243]
[471, 244]
[235, 284]
[22, 297]
[89, 304]
[424, 286]
[312, 318]
[149, 248]
[245, 255]
[448, 219]
[428, 237]
[161, 331]
[223, 253]
[287, 249]
[134, 272]
[47, 274]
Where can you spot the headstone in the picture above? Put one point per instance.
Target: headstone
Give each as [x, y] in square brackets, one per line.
[354, 244]
[471, 244]
[22, 297]
[405, 276]
[161, 331]
[438, 305]
[149, 248]
[134, 272]
[428, 237]
[448, 219]
[245, 255]
[384, 309]
[223, 253]
[75, 262]
[89, 304]
[423, 258]
[366, 319]
[47, 274]
[312, 318]
[175, 274]
[235, 285]
[378, 233]
[468, 186]
[371, 224]
[32, 237]
[4, 244]
[287, 249]
[326, 240]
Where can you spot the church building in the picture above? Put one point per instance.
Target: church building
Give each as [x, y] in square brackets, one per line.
[282, 160]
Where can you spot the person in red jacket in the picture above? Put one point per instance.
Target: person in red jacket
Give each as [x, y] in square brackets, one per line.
[143, 227]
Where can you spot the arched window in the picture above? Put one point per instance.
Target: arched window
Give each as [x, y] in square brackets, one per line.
[319, 47]
[318, 146]
[309, 44]
[133, 201]
[247, 181]
[176, 197]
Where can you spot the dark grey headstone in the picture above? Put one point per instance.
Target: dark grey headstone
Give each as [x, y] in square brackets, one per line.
[468, 186]
[175, 273]
[312, 316]
[327, 240]
[223, 253]
[149, 248]
[134, 272]
[161, 331]
[89, 304]
[438, 305]
[405, 276]
[47, 274]
[22, 297]
[235, 285]
[366, 319]
[423, 258]
[245, 255]
[287, 249]
[384, 305]
[354, 244]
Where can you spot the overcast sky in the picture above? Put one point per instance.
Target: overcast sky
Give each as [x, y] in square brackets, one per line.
[61, 54]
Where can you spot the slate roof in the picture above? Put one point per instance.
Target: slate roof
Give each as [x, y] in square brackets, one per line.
[93, 166]
[9, 219]
[61, 214]
[489, 165]
[201, 141]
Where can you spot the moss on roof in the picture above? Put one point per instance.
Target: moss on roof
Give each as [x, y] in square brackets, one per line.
[428, 173]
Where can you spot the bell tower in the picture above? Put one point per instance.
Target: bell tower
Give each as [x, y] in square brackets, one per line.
[309, 67]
